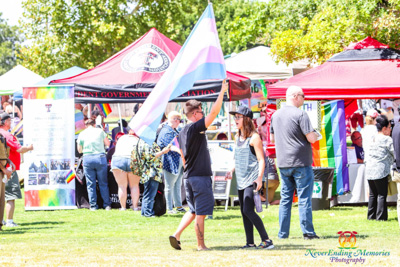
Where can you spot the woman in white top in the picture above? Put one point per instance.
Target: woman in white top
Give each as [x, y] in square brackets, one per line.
[120, 166]
[369, 131]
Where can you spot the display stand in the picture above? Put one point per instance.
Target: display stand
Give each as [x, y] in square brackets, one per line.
[221, 187]
[221, 153]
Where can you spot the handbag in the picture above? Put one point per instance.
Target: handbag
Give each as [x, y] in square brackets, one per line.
[392, 187]
[396, 176]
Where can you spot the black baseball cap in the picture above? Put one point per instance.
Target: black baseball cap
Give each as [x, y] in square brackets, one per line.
[4, 116]
[243, 110]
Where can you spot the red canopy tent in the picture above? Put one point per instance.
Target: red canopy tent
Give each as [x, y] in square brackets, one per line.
[131, 74]
[364, 70]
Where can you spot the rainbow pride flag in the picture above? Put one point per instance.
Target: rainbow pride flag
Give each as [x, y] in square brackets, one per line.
[105, 109]
[200, 58]
[331, 150]
[70, 176]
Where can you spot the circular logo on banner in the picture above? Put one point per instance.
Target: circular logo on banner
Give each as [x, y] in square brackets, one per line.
[148, 57]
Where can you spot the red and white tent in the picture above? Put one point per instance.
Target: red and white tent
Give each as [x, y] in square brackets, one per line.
[364, 70]
[131, 74]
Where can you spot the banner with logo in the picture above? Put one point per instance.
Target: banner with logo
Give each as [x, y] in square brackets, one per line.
[49, 125]
[259, 94]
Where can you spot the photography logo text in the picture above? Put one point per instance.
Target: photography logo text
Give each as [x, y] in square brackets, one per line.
[348, 251]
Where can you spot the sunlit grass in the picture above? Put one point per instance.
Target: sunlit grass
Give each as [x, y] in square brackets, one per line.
[85, 238]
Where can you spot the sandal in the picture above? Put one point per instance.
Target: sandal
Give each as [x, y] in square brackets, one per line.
[176, 244]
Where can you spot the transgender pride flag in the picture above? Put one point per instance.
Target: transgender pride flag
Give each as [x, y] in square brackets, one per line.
[200, 58]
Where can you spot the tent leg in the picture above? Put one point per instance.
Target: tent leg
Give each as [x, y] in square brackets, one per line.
[229, 123]
[120, 119]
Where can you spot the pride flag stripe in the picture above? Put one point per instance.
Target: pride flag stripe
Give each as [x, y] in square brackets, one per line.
[200, 58]
[70, 176]
[332, 149]
[105, 109]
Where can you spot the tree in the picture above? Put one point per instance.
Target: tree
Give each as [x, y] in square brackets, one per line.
[334, 25]
[9, 40]
[84, 33]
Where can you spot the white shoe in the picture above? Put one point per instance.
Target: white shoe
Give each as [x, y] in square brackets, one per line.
[11, 224]
[172, 212]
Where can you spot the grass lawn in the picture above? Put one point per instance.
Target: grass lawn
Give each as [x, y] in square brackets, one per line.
[107, 238]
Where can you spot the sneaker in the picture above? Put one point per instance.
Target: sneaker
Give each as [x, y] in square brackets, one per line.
[172, 212]
[11, 224]
[267, 244]
[248, 246]
[181, 209]
[107, 208]
[136, 209]
[93, 209]
[309, 237]
[122, 209]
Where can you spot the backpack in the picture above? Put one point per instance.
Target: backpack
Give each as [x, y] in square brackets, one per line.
[160, 204]
[4, 149]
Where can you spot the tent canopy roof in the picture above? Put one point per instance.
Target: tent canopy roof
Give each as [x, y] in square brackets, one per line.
[75, 70]
[131, 74]
[16, 78]
[372, 71]
[258, 63]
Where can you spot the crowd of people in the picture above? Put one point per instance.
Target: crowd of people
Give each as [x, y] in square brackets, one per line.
[180, 155]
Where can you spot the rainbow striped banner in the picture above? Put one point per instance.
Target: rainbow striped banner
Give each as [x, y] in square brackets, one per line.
[331, 150]
[56, 199]
[70, 176]
[105, 109]
[79, 121]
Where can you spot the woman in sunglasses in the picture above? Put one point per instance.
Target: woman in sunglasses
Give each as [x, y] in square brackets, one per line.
[249, 168]
[172, 164]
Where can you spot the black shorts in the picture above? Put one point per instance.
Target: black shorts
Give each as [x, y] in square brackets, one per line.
[199, 195]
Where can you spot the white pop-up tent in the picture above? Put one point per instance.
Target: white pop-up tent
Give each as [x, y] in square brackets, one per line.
[16, 78]
[258, 63]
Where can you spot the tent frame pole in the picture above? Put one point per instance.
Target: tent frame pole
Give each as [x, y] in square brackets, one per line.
[120, 119]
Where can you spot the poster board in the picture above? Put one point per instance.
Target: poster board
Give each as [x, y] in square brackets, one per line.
[221, 153]
[49, 125]
[313, 109]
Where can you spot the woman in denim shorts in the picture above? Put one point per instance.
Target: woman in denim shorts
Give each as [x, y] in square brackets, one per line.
[120, 166]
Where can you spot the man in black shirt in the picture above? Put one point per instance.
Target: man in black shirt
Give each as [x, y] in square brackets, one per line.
[197, 172]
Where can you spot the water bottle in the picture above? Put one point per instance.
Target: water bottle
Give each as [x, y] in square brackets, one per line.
[5, 177]
[257, 198]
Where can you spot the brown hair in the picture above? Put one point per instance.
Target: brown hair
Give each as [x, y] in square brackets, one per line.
[190, 106]
[90, 122]
[248, 127]
[369, 120]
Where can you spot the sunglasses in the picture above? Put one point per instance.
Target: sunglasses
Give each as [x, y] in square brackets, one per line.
[236, 118]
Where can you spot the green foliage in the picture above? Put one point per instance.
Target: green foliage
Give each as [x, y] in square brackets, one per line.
[333, 26]
[9, 41]
[84, 33]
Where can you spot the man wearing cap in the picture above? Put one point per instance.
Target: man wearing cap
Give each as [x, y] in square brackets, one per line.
[293, 134]
[12, 189]
[197, 171]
